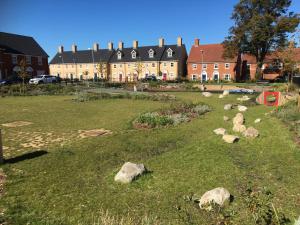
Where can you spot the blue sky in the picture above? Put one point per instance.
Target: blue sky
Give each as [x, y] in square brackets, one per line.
[64, 22]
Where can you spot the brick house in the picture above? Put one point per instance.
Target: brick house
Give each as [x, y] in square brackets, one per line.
[14, 48]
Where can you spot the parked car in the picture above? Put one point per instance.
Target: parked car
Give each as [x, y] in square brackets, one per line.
[43, 79]
[150, 78]
[12, 80]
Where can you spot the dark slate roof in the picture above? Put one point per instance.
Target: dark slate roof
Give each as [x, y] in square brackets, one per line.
[82, 56]
[19, 44]
[160, 53]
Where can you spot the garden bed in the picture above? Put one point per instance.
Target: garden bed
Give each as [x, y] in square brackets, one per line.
[177, 114]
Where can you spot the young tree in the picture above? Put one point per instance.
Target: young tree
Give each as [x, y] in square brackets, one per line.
[22, 73]
[86, 74]
[102, 69]
[260, 27]
[139, 66]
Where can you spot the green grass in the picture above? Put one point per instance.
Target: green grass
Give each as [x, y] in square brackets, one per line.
[73, 183]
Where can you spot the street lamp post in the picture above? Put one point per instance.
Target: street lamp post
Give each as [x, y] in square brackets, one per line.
[63, 63]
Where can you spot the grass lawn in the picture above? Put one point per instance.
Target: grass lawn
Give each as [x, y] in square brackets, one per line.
[73, 182]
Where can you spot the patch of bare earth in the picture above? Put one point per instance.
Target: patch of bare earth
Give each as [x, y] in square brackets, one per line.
[16, 124]
[93, 133]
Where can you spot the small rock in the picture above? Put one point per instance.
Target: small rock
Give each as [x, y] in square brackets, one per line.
[239, 128]
[225, 118]
[218, 196]
[230, 138]
[221, 96]
[242, 108]
[257, 120]
[227, 106]
[225, 92]
[244, 98]
[220, 131]
[206, 94]
[238, 119]
[251, 133]
[129, 171]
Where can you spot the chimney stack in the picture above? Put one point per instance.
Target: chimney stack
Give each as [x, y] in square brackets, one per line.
[121, 45]
[74, 48]
[110, 46]
[179, 41]
[161, 42]
[197, 42]
[135, 44]
[60, 49]
[96, 47]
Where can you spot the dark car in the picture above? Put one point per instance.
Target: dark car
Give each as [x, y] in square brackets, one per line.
[150, 78]
[11, 80]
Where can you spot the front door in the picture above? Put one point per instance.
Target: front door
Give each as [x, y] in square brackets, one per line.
[164, 77]
[120, 77]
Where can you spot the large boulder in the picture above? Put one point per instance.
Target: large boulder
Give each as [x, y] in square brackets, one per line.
[238, 119]
[218, 196]
[227, 106]
[220, 131]
[206, 94]
[239, 128]
[251, 132]
[244, 98]
[230, 138]
[242, 108]
[129, 172]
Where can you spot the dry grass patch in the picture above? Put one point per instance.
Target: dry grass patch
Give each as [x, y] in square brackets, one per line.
[93, 133]
[16, 124]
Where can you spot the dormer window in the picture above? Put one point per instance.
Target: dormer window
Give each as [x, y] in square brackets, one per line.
[133, 54]
[170, 52]
[151, 53]
[119, 55]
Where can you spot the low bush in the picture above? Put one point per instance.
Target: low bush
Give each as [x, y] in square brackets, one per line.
[178, 113]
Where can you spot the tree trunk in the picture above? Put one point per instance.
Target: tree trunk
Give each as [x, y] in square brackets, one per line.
[259, 73]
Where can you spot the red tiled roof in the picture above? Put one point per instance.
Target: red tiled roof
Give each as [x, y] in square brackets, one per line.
[211, 53]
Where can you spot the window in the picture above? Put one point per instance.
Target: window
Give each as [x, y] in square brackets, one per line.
[80, 66]
[151, 53]
[28, 59]
[248, 66]
[119, 55]
[133, 54]
[115, 66]
[128, 65]
[216, 76]
[153, 64]
[216, 66]
[204, 66]
[165, 64]
[120, 66]
[171, 74]
[170, 52]
[227, 65]
[40, 60]
[194, 77]
[227, 77]
[14, 59]
[172, 64]
[194, 66]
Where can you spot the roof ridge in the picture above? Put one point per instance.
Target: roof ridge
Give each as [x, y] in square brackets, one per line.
[21, 35]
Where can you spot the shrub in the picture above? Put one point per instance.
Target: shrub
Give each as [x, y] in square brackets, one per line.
[154, 120]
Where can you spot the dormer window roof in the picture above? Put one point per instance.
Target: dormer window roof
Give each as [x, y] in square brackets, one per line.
[119, 54]
[151, 53]
[170, 52]
[133, 54]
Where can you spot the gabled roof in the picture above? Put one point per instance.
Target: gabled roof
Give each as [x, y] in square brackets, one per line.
[82, 56]
[211, 53]
[142, 54]
[19, 44]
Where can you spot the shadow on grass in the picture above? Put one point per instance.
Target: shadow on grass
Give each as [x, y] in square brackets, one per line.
[26, 156]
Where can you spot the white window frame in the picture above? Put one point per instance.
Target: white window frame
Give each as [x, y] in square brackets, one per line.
[165, 64]
[194, 77]
[204, 66]
[119, 54]
[151, 53]
[28, 59]
[170, 53]
[216, 73]
[206, 76]
[115, 66]
[194, 66]
[40, 60]
[14, 59]
[133, 54]
[227, 66]
[227, 74]
[216, 66]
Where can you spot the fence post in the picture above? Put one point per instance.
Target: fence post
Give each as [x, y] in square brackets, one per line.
[1, 149]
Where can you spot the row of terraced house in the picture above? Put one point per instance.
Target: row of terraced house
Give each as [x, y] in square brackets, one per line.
[127, 64]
